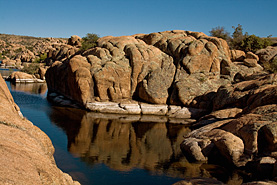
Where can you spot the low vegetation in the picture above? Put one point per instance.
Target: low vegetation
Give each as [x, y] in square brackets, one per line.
[89, 41]
[41, 58]
[241, 41]
[31, 68]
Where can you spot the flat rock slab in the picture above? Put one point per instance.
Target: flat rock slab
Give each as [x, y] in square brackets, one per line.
[154, 109]
[31, 80]
[112, 107]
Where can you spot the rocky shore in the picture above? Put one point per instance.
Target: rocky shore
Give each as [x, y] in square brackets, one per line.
[181, 74]
[26, 152]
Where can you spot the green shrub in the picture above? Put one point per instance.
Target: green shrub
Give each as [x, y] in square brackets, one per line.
[253, 43]
[240, 40]
[31, 68]
[90, 41]
[19, 50]
[41, 58]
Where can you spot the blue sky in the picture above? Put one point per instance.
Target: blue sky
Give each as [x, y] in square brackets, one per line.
[63, 18]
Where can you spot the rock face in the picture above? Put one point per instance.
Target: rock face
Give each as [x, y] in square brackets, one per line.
[174, 67]
[26, 152]
[244, 138]
[159, 68]
[267, 54]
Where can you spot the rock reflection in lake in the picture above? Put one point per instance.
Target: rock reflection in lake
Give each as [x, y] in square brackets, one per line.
[33, 88]
[123, 143]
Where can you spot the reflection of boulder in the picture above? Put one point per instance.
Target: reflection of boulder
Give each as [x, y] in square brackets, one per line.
[34, 88]
[125, 145]
[21, 77]
[124, 142]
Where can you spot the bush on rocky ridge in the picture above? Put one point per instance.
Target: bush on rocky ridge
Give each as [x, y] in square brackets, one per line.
[89, 41]
[240, 40]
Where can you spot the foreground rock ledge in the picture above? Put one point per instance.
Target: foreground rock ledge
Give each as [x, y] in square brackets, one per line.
[131, 108]
[26, 153]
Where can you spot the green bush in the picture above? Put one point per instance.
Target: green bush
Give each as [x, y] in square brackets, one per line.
[31, 68]
[240, 40]
[253, 43]
[19, 50]
[41, 58]
[90, 41]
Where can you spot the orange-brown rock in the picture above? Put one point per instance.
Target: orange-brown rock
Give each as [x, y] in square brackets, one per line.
[237, 55]
[267, 54]
[249, 94]
[75, 40]
[26, 153]
[157, 68]
[119, 68]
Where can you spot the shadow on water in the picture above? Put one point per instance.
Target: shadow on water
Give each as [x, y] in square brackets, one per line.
[97, 148]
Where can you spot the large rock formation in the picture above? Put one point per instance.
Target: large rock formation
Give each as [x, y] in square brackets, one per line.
[26, 153]
[171, 67]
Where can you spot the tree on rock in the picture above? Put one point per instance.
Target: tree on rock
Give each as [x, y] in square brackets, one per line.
[220, 32]
[89, 41]
[240, 40]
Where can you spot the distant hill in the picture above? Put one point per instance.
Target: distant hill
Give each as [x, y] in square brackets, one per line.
[15, 46]
[274, 40]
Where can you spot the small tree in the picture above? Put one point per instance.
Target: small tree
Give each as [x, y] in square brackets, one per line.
[220, 32]
[237, 37]
[89, 41]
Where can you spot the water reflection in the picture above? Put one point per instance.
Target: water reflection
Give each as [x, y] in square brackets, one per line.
[33, 88]
[124, 145]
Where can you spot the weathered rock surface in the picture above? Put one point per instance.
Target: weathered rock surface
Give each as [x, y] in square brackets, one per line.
[75, 40]
[174, 67]
[26, 153]
[267, 54]
[244, 137]
[171, 67]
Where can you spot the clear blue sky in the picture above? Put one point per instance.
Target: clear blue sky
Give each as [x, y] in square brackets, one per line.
[63, 18]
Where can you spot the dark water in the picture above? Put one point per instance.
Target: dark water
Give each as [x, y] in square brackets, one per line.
[111, 149]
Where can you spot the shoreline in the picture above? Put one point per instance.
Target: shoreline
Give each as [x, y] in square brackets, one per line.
[131, 108]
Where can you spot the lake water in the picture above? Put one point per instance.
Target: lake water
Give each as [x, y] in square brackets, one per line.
[109, 149]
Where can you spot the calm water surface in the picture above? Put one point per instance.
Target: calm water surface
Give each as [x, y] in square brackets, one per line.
[112, 149]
